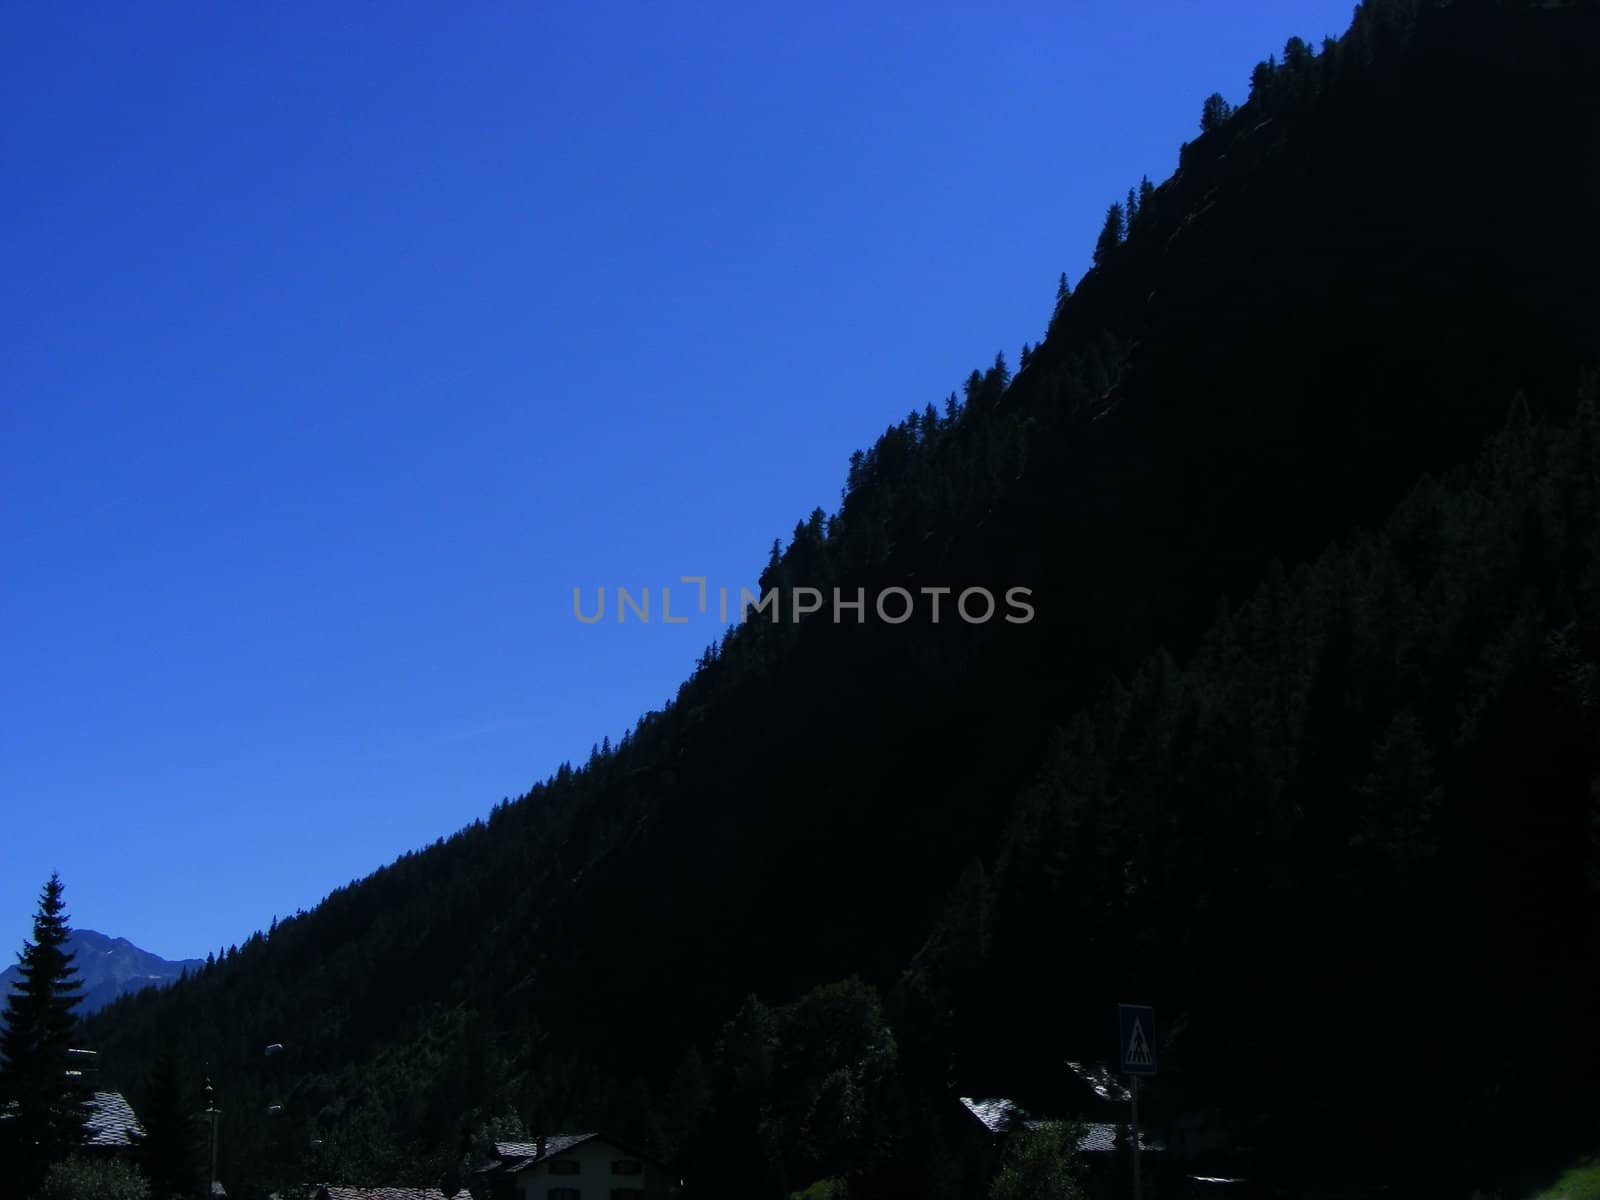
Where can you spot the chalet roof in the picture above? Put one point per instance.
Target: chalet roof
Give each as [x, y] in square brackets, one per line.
[516, 1149]
[516, 1154]
[519, 1156]
[557, 1144]
[1004, 1116]
[1100, 1137]
[1101, 1081]
[111, 1121]
[997, 1115]
[333, 1192]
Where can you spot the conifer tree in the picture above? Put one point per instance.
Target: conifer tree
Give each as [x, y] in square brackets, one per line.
[1296, 55]
[1110, 235]
[999, 376]
[1263, 83]
[688, 1097]
[51, 1104]
[1214, 113]
[1063, 294]
[168, 1152]
[974, 388]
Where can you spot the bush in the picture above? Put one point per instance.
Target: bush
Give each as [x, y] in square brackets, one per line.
[93, 1179]
[1040, 1164]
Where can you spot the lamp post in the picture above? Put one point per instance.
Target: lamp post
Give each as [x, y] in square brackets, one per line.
[211, 1113]
[284, 1154]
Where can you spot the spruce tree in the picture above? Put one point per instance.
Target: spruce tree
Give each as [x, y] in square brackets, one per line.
[1063, 294]
[168, 1152]
[1214, 113]
[1296, 55]
[1110, 235]
[45, 1100]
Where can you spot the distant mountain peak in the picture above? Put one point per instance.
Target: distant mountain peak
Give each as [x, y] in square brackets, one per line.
[109, 967]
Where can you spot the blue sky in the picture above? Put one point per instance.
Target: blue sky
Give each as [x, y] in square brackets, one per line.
[340, 342]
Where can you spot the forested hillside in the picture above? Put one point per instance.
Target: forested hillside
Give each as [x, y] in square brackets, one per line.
[1340, 830]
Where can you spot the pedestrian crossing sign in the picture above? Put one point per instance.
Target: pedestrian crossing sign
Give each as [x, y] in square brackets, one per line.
[1138, 1025]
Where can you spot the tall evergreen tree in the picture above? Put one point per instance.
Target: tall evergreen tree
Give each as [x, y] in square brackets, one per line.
[1214, 113]
[1110, 235]
[47, 1102]
[1297, 55]
[168, 1152]
[1262, 83]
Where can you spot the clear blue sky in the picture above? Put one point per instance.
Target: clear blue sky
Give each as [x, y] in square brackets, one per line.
[339, 342]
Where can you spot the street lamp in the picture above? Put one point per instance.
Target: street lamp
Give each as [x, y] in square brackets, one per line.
[212, 1113]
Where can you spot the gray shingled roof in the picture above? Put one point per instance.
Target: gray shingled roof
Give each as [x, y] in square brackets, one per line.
[997, 1115]
[516, 1149]
[1100, 1079]
[111, 1121]
[556, 1144]
[379, 1193]
[1099, 1137]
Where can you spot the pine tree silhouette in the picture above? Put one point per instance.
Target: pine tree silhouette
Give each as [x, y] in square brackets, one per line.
[36, 1076]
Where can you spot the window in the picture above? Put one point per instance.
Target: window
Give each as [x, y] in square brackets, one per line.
[626, 1166]
[563, 1166]
[564, 1194]
[627, 1194]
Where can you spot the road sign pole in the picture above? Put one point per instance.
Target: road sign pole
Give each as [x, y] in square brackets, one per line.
[1135, 1091]
[1138, 1032]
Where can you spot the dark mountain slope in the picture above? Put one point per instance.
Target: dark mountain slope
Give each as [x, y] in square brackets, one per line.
[1339, 290]
[1350, 851]
[1263, 405]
